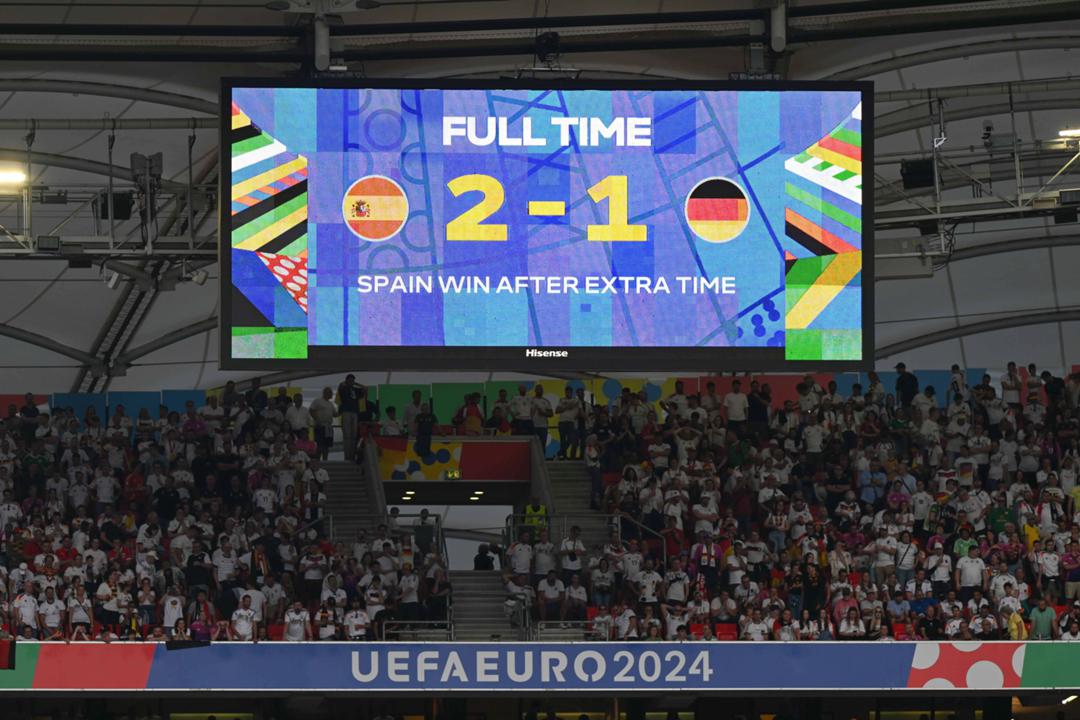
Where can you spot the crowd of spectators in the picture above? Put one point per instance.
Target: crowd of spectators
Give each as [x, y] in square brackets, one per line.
[879, 515]
[201, 524]
[876, 515]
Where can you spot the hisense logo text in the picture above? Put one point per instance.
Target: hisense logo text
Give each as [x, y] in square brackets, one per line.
[534, 353]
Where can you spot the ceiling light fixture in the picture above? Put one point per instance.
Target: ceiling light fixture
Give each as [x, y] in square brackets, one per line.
[1068, 700]
[406, 497]
[478, 492]
[12, 177]
[473, 498]
[1069, 133]
[410, 492]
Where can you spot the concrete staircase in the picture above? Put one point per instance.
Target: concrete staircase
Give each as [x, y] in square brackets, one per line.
[348, 500]
[570, 488]
[478, 606]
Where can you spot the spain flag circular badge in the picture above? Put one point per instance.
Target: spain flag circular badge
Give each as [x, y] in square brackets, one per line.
[375, 208]
[717, 210]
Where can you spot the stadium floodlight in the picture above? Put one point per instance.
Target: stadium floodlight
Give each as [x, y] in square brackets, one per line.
[12, 177]
[478, 492]
[406, 497]
[1069, 133]
[474, 498]
[410, 492]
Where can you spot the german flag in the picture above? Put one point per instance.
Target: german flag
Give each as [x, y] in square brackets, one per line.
[375, 208]
[716, 210]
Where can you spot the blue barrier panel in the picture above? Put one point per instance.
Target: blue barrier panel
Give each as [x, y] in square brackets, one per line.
[176, 399]
[535, 667]
[134, 402]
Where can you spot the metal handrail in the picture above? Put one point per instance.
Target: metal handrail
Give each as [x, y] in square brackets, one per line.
[405, 626]
[516, 522]
[439, 535]
[585, 626]
[524, 619]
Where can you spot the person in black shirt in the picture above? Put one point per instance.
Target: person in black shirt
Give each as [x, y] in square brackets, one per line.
[425, 425]
[256, 397]
[483, 560]
[166, 500]
[757, 413]
[198, 569]
[907, 385]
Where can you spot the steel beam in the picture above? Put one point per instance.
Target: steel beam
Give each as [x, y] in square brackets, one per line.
[166, 340]
[126, 92]
[111, 124]
[1005, 323]
[901, 120]
[81, 165]
[952, 52]
[1018, 87]
[47, 343]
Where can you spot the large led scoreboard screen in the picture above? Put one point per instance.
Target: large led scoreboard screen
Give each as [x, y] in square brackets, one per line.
[512, 225]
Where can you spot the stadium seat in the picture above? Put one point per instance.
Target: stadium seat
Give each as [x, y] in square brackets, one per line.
[727, 631]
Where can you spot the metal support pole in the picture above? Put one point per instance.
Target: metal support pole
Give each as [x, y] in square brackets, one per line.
[109, 199]
[190, 192]
[937, 177]
[149, 206]
[29, 215]
[1016, 149]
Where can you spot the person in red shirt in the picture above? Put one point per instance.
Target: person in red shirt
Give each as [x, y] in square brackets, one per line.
[66, 554]
[674, 538]
[135, 487]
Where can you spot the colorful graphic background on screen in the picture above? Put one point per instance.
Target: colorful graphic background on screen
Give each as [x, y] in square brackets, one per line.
[366, 218]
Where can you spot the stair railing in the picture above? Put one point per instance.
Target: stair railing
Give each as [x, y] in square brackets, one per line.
[558, 526]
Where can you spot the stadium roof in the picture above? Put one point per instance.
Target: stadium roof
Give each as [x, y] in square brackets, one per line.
[1007, 291]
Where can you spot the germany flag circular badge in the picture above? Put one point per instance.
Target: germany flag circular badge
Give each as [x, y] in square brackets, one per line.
[717, 210]
[375, 208]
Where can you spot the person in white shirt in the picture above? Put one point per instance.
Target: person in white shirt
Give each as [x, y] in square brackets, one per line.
[676, 584]
[575, 600]
[520, 554]
[298, 417]
[322, 413]
[569, 410]
[676, 403]
[408, 594]
[649, 585]
[297, 623]
[736, 405]
[970, 574]
[25, 612]
[226, 562]
[541, 411]
[852, 626]
[521, 412]
[51, 615]
[544, 557]
[1010, 386]
[172, 608]
[550, 592]
[245, 625]
[755, 628]
[356, 622]
[571, 552]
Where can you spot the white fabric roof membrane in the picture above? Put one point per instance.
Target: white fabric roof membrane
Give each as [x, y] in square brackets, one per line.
[71, 306]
